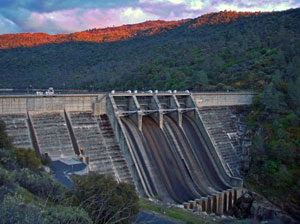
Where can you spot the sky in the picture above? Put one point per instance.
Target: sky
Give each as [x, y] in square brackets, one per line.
[66, 16]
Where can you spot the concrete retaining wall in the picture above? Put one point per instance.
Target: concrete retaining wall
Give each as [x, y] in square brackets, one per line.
[222, 99]
[78, 102]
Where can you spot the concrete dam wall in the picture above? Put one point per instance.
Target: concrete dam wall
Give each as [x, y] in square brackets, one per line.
[181, 147]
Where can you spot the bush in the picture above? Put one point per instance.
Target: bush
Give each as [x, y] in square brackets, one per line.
[61, 214]
[45, 159]
[4, 177]
[7, 159]
[13, 210]
[7, 185]
[40, 184]
[103, 198]
[26, 158]
[5, 141]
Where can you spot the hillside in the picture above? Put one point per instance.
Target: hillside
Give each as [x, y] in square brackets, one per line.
[237, 51]
[111, 34]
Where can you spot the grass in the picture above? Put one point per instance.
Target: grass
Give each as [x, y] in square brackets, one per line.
[172, 212]
[183, 215]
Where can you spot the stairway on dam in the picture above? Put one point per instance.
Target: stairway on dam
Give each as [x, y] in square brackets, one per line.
[52, 134]
[224, 125]
[17, 128]
[113, 149]
[95, 137]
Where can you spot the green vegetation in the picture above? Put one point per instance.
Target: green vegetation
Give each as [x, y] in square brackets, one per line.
[27, 158]
[29, 195]
[5, 141]
[172, 212]
[275, 125]
[104, 199]
[239, 55]
[183, 215]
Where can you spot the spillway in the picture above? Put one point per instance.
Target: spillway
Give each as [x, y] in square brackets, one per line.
[162, 167]
[173, 160]
[141, 152]
[171, 169]
[193, 160]
[171, 153]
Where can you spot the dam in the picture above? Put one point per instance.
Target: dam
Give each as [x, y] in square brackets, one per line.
[181, 147]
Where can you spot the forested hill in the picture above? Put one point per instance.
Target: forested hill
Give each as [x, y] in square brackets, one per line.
[124, 32]
[209, 53]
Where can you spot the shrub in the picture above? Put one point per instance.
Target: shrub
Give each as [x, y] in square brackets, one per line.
[61, 214]
[4, 177]
[7, 185]
[5, 141]
[13, 210]
[40, 184]
[7, 159]
[27, 158]
[45, 159]
[103, 198]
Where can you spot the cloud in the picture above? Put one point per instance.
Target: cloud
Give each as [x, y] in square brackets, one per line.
[77, 19]
[266, 5]
[8, 26]
[136, 15]
[64, 16]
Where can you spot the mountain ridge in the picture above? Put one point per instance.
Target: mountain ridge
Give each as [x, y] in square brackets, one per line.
[119, 33]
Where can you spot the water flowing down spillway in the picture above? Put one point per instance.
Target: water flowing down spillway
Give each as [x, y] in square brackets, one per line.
[173, 162]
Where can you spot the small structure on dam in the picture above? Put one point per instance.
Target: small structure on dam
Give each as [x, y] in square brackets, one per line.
[181, 147]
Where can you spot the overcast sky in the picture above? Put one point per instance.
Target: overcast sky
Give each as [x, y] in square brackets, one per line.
[65, 16]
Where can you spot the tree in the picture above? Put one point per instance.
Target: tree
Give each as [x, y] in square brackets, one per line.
[198, 81]
[103, 198]
[27, 158]
[5, 140]
[273, 100]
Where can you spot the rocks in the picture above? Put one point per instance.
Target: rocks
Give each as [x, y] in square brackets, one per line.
[46, 169]
[262, 211]
[293, 210]
[254, 206]
[242, 208]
